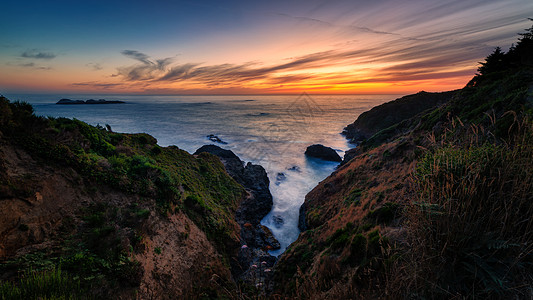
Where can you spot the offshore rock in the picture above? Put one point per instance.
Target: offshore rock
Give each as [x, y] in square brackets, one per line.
[322, 152]
[90, 101]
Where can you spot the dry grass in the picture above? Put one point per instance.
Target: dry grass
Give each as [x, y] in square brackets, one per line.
[471, 225]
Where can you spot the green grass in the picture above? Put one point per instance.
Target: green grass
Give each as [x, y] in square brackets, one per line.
[49, 284]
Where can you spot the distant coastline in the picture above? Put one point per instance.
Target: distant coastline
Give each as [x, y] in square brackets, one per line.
[90, 101]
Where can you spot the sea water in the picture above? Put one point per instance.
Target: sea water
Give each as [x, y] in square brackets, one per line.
[272, 131]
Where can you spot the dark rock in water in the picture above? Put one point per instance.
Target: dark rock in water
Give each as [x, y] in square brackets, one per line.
[322, 152]
[280, 177]
[278, 221]
[216, 139]
[259, 114]
[269, 238]
[68, 101]
[90, 101]
[295, 169]
[259, 236]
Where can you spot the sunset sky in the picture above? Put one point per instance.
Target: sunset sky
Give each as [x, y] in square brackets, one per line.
[251, 47]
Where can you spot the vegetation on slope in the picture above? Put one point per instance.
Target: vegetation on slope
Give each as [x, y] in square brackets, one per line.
[98, 243]
[470, 226]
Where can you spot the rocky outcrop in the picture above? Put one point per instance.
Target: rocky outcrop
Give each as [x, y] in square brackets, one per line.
[390, 113]
[253, 257]
[90, 101]
[322, 152]
[252, 177]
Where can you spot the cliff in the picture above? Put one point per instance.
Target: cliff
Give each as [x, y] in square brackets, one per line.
[391, 113]
[434, 203]
[111, 215]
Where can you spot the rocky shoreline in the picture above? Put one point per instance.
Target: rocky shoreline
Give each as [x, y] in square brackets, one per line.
[253, 258]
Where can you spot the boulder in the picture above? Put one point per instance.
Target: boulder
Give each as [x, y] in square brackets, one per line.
[322, 152]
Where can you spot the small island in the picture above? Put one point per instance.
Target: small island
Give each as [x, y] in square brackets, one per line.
[90, 101]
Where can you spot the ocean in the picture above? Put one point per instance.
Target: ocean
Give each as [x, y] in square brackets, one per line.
[272, 131]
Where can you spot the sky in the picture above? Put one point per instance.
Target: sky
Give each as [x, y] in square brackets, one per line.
[251, 47]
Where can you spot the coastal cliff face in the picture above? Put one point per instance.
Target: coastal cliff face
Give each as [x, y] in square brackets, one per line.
[116, 212]
[391, 113]
[433, 204]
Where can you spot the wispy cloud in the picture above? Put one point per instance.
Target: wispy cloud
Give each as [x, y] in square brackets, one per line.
[333, 25]
[145, 59]
[94, 66]
[34, 53]
[148, 69]
[31, 65]
[94, 84]
[178, 72]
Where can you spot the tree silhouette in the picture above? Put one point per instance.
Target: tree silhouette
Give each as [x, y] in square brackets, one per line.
[519, 56]
[522, 53]
[495, 62]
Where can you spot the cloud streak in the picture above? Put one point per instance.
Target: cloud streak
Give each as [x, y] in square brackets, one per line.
[95, 66]
[36, 54]
[93, 84]
[405, 62]
[148, 69]
[30, 65]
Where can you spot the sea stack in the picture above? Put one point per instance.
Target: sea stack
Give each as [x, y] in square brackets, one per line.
[322, 152]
